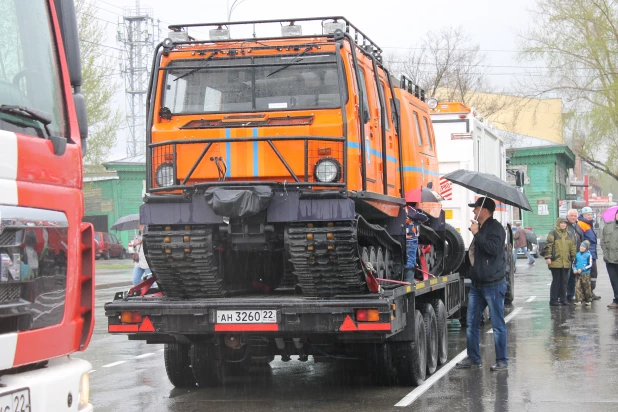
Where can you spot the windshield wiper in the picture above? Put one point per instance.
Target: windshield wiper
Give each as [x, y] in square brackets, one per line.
[27, 113]
[296, 59]
[199, 67]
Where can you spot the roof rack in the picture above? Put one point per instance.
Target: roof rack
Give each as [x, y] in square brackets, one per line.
[360, 38]
[408, 85]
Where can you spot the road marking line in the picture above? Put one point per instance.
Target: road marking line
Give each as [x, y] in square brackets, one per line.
[160, 350]
[549, 284]
[94, 370]
[509, 317]
[109, 365]
[416, 393]
[145, 355]
[530, 299]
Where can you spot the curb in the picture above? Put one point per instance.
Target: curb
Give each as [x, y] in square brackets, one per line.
[112, 285]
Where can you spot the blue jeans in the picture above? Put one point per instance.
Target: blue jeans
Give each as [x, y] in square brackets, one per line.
[479, 298]
[411, 248]
[525, 250]
[137, 274]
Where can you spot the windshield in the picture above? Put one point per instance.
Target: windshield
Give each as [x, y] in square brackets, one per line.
[29, 72]
[293, 82]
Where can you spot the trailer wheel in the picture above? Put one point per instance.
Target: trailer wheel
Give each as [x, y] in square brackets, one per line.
[383, 363]
[207, 370]
[431, 335]
[412, 356]
[441, 318]
[178, 365]
[456, 249]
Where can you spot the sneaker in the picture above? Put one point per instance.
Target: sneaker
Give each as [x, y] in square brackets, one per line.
[577, 303]
[588, 304]
[532, 262]
[499, 366]
[467, 364]
[613, 305]
[595, 297]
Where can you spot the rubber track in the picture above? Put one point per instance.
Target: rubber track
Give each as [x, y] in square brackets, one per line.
[189, 271]
[326, 273]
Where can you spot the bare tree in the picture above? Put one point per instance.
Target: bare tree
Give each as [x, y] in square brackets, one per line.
[449, 66]
[578, 41]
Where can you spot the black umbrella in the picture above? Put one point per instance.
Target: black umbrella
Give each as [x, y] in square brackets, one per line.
[490, 186]
[127, 222]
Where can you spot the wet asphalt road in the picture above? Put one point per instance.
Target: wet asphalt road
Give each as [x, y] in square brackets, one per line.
[561, 359]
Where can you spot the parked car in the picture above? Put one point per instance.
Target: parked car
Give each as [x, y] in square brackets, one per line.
[109, 246]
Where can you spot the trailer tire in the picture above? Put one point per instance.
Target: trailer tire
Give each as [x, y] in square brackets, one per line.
[431, 336]
[412, 355]
[207, 369]
[383, 363]
[178, 365]
[441, 320]
[456, 249]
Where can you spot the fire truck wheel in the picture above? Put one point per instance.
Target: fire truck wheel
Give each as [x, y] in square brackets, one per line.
[431, 335]
[441, 317]
[456, 249]
[207, 370]
[178, 365]
[412, 356]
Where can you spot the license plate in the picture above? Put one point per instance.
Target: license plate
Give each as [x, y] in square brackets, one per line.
[246, 316]
[16, 401]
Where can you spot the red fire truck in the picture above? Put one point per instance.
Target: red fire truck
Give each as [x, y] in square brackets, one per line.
[47, 254]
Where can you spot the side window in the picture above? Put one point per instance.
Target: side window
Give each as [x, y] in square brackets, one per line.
[428, 134]
[418, 130]
[365, 102]
[395, 113]
[387, 124]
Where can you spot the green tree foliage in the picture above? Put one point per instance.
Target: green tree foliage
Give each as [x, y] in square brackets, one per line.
[578, 41]
[98, 87]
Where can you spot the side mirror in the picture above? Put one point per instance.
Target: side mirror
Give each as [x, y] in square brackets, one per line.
[60, 144]
[65, 10]
[82, 118]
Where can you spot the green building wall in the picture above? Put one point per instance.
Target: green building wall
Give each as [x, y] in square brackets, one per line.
[547, 169]
[119, 197]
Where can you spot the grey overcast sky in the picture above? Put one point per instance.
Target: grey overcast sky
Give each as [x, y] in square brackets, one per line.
[395, 25]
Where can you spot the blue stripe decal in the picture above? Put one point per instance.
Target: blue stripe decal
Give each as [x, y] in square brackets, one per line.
[373, 152]
[255, 154]
[420, 170]
[228, 153]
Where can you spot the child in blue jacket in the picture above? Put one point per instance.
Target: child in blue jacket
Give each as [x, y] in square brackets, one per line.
[581, 269]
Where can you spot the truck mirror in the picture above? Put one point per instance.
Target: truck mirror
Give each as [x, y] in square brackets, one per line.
[65, 10]
[82, 118]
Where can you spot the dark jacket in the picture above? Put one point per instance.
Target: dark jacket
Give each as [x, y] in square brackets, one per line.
[578, 232]
[489, 254]
[587, 227]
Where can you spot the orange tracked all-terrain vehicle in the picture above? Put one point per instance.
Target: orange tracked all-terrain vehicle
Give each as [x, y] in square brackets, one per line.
[277, 169]
[282, 162]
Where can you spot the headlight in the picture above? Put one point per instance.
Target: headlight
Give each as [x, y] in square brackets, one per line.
[327, 170]
[84, 391]
[165, 175]
[432, 103]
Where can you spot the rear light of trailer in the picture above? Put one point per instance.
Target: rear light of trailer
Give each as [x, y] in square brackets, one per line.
[367, 315]
[130, 317]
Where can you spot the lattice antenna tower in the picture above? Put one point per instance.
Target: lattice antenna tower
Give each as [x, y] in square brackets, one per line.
[138, 34]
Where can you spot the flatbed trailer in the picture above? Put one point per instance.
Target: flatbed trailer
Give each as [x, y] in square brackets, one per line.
[401, 331]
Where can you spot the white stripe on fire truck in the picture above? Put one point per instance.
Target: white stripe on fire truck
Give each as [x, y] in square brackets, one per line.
[8, 343]
[8, 168]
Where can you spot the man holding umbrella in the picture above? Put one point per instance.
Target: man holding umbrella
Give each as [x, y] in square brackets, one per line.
[488, 259]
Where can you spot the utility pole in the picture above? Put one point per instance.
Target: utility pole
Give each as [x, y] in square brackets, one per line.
[138, 33]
